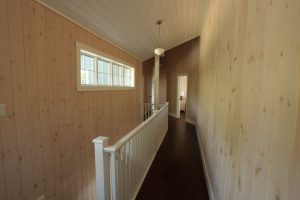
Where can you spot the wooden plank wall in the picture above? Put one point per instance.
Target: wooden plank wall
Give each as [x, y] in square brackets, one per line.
[182, 59]
[45, 138]
[249, 98]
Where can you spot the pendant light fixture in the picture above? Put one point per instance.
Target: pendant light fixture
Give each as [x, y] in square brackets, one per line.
[159, 51]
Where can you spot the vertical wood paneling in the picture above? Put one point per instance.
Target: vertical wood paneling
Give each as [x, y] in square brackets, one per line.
[29, 37]
[9, 156]
[61, 103]
[52, 67]
[82, 104]
[45, 138]
[22, 143]
[45, 126]
[294, 174]
[2, 175]
[249, 86]
[76, 154]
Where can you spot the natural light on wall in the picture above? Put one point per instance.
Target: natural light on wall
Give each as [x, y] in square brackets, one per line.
[97, 71]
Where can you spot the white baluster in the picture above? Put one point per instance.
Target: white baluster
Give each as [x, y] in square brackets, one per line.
[113, 175]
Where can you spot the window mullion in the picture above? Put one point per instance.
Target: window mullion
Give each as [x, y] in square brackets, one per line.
[96, 70]
[111, 74]
[122, 76]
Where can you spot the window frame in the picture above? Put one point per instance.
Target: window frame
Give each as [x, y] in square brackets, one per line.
[89, 51]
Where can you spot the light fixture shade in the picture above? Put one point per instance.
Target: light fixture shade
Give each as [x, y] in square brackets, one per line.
[159, 51]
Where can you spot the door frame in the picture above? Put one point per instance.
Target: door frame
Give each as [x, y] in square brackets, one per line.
[178, 95]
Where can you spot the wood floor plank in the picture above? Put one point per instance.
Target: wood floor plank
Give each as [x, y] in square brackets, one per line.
[175, 172]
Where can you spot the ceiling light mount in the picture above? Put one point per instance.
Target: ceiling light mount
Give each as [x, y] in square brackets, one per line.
[159, 51]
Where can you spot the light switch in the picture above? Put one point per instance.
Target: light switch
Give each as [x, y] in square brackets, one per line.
[2, 110]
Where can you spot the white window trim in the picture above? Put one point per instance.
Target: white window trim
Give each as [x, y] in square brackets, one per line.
[104, 56]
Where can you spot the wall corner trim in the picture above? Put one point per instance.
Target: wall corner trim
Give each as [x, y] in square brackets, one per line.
[208, 183]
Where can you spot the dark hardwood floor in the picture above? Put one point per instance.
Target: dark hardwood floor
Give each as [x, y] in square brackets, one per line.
[176, 172]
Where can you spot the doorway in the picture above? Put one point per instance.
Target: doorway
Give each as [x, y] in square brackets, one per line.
[182, 90]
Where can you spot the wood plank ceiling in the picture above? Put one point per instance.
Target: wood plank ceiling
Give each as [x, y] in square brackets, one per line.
[130, 24]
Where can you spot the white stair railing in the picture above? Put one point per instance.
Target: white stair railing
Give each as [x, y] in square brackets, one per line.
[122, 167]
[148, 109]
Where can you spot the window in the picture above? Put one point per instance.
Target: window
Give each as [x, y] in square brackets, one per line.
[87, 70]
[97, 71]
[117, 75]
[104, 72]
[128, 76]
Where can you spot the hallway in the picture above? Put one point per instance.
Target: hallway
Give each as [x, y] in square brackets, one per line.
[176, 172]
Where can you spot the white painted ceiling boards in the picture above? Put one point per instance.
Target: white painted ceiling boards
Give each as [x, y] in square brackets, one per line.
[131, 24]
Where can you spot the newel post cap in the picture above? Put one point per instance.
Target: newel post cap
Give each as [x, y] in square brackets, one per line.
[100, 140]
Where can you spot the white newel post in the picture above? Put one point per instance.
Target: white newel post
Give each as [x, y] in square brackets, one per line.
[102, 169]
[156, 81]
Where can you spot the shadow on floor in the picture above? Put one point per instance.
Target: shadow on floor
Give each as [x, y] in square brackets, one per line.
[176, 172]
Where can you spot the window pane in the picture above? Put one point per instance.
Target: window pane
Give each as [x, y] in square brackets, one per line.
[100, 78]
[100, 66]
[107, 68]
[87, 63]
[126, 76]
[87, 77]
[117, 75]
[107, 80]
[104, 72]
[87, 70]
[83, 77]
[131, 75]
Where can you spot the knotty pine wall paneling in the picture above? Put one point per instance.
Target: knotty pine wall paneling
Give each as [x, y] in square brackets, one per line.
[46, 136]
[10, 165]
[249, 95]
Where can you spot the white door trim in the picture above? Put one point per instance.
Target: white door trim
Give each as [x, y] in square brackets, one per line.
[178, 95]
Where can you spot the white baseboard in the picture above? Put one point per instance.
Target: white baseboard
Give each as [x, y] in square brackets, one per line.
[173, 115]
[208, 183]
[190, 121]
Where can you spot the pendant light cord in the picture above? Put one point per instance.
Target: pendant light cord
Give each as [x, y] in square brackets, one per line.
[159, 36]
[159, 22]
